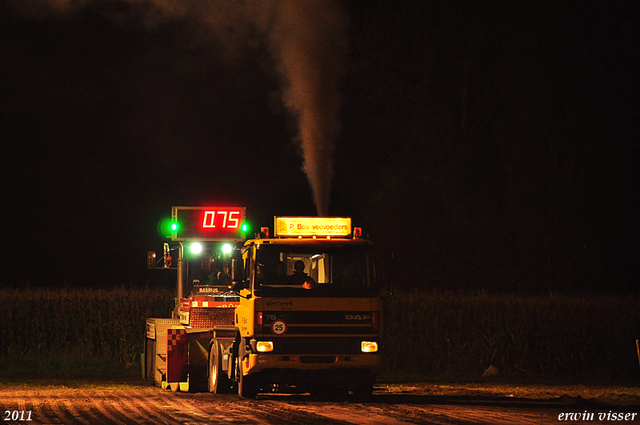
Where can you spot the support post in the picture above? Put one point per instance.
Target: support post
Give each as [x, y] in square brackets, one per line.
[181, 272]
[638, 350]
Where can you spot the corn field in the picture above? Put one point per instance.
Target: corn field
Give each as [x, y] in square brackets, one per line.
[86, 323]
[432, 334]
[578, 337]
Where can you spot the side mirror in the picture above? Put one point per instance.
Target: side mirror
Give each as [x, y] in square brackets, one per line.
[385, 293]
[240, 285]
[151, 260]
[236, 276]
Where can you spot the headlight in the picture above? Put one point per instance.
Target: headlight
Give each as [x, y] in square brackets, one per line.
[369, 346]
[264, 346]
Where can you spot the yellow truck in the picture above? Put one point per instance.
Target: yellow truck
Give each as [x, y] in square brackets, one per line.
[302, 313]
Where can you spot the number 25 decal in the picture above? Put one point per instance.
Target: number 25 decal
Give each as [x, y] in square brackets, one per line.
[279, 327]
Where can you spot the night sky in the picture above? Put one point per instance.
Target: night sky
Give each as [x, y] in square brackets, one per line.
[483, 145]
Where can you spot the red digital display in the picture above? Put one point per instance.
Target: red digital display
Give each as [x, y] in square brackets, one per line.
[208, 223]
[225, 219]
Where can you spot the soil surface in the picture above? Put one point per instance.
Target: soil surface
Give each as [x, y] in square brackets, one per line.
[134, 402]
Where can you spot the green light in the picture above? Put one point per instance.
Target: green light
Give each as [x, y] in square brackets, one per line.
[244, 227]
[227, 248]
[167, 227]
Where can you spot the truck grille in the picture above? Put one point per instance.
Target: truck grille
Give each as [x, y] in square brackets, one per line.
[321, 323]
[322, 346]
[317, 359]
[202, 317]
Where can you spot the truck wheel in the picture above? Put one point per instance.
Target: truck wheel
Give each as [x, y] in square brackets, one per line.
[247, 386]
[326, 392]
[363, 391]
[218, 381]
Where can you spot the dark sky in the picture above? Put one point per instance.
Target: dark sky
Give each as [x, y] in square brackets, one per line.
[109, 119]
[107, 125]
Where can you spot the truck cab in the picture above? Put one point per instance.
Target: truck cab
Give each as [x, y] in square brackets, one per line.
[316, 328]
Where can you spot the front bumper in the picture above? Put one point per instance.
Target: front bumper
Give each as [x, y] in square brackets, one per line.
[305, 370]
[260, 362]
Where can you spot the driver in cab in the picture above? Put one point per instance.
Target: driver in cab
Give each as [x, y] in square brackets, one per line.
[300, 278]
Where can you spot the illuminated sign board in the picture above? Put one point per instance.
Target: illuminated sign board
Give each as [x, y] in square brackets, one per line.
[312, 226]
[208, 223]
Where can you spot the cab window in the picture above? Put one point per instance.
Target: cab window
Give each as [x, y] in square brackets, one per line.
[331, 267]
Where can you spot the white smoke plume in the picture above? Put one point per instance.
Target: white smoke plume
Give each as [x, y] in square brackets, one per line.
[306, 38]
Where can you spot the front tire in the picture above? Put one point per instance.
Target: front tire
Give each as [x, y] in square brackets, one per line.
[363, 391]
[247, 385]
[218, 381]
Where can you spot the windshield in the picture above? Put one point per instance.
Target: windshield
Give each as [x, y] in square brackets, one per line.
[324, 267]
[208, 275]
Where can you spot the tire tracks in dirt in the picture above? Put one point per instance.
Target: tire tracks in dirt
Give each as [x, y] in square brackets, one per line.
[96, 404]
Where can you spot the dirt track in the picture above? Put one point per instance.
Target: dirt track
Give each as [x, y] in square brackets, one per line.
[423, 403]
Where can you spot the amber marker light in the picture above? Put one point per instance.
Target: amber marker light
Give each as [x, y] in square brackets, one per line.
[264, 346]
[369, 346]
